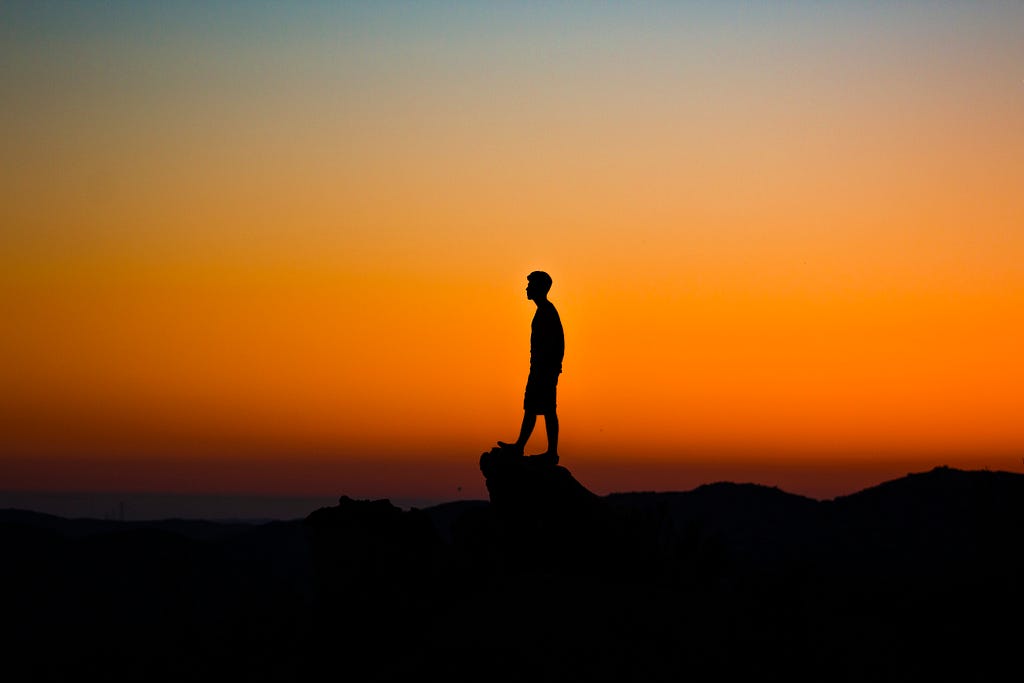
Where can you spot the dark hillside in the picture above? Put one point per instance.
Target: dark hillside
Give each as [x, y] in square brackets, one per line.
[912, 579]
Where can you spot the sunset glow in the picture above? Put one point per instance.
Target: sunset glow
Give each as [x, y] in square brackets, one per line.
[284, 250]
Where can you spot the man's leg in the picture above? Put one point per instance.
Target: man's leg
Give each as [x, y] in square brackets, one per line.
[551, 426]
[529, 422]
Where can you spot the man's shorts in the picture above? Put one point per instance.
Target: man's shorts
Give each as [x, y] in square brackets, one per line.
[541, 388]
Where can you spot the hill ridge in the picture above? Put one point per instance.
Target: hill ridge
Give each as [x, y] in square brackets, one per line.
[911, 579]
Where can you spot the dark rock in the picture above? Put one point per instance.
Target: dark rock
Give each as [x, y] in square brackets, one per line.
[524, 483]
[545, 520]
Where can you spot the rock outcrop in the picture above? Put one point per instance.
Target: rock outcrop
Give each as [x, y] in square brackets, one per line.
[543, 517]
[528, 484]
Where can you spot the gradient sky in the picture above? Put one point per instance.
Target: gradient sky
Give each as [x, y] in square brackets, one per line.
[268, 248]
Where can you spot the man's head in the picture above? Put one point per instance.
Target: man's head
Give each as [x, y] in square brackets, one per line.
[538, 285]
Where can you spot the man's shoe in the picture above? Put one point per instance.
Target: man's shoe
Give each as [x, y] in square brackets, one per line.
[510, 447]
[547, 458]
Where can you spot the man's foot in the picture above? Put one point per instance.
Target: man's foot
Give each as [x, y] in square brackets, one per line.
[513, 448]
[547, 458]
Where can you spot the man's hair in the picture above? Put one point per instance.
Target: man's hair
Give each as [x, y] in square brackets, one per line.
[542, 279]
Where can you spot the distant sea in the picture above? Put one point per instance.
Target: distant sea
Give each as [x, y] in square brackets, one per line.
[153, 506]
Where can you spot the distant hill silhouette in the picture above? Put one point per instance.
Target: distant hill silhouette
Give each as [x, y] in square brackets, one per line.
[910, 579]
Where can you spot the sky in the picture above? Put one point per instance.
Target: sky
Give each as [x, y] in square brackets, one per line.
[281, 249]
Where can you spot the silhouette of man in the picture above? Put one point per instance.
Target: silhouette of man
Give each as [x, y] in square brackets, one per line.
[547, 347]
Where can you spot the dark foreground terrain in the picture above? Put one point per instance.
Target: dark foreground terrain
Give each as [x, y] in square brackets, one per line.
[919, 578]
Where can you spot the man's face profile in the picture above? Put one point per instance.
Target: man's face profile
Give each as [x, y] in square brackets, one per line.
[537, 286]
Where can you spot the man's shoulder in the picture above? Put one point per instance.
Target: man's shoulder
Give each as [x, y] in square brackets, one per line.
[547, 311]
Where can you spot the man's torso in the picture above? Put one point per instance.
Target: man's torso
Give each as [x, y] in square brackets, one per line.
[547, 340]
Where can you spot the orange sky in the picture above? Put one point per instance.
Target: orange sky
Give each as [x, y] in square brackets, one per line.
[285, 251]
